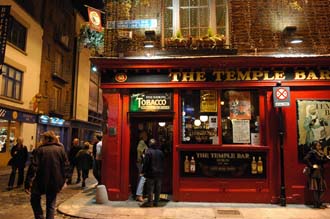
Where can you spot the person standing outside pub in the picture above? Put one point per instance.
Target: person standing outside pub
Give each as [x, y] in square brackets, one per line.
[96, 164]
[98, 160]
[153, 170]
[141, 148]
[315, 159]
[47, 174]
[84, 162]
[19, 155]
[75, 148]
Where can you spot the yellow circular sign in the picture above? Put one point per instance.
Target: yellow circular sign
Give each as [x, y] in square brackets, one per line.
[15, 115]
[95, 18]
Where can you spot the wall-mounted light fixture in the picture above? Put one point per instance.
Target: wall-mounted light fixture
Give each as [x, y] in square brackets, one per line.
[150, 38]
[289, 36]
[94, 68]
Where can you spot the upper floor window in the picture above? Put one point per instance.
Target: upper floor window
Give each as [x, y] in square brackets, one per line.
[194, 18]
[12, 80]
[17, 34]
[57, 92]
[59, 67]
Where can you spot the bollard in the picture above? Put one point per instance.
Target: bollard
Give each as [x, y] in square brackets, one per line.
[101, 194]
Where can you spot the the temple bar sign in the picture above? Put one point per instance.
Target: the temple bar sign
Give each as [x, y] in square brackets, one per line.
[151, 102]
[281, 96]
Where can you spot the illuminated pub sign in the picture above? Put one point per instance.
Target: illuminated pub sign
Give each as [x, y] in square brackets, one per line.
[223, 164]
[217, 75]
[150, 102]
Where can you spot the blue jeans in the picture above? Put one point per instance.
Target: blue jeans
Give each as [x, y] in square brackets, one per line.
[141, 181]
[50, 205]
[154, 185]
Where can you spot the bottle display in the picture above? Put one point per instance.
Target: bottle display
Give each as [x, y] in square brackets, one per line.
[260, 168]
[186, 165]
[192, 165]
[254, 166]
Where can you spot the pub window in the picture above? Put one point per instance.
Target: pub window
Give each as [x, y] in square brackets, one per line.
[240, 117]
[199, 117]
[12, 79]
[17, 34]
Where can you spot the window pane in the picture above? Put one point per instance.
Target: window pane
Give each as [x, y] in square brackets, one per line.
[168, 3]
[11, 73]
[199, 117]
[18, 76]
[17, 91]
[204, 17]
[194, 2]
[184, 18]
[168, 18]
[3, 86]
[184, 2]
[204, 2]
[240, 117]
[194, 17]
[10, 91]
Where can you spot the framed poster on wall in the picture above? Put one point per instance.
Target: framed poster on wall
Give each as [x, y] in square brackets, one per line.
[313, 124]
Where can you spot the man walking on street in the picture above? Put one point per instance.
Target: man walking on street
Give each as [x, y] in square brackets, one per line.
[75, 148]
[153, 169]
[47, 174]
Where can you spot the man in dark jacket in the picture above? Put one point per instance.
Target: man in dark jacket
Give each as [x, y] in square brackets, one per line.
[19, 155]
[153, 169]
[47, 174]
[75, 148]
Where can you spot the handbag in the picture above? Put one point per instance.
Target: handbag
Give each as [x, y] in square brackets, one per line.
[306, 171]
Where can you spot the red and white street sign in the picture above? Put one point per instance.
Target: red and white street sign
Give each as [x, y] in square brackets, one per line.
[281, 96]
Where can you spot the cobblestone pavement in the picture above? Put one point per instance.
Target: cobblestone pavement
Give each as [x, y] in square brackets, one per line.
[15, 204]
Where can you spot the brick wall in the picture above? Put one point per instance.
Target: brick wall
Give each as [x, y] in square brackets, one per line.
[259, 24]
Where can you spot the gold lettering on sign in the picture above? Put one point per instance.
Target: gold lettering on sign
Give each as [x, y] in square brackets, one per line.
[255, 75]
[299, 75]
[312, 76]
[188, 76]
[243, 76]
[279, 75]
[266, 76]
[175, 76]
[217, 75]
[200, 76]
[230, 76]
[324, 74]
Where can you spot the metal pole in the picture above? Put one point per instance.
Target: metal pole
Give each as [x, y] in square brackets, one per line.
[281, 136]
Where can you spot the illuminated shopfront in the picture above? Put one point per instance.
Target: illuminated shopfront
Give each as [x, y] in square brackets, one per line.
[220, 124]
[13, 124]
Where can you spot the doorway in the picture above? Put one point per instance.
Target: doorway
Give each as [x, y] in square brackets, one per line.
[161, 129]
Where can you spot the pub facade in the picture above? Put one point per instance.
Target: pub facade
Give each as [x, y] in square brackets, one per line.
[232, 129]
[233, 104]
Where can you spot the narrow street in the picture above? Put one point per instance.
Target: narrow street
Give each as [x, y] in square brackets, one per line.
[15, 204]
